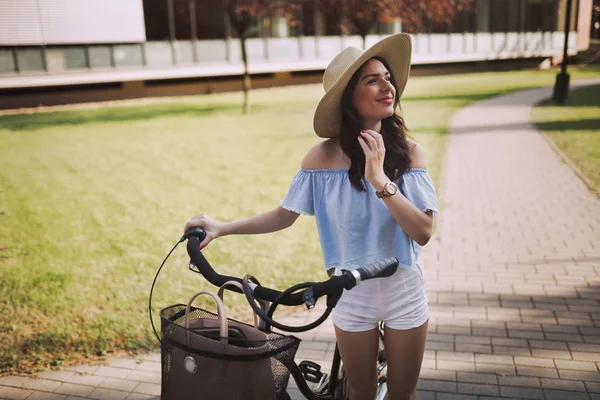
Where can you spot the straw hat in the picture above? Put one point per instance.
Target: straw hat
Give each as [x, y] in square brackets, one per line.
[395, 49]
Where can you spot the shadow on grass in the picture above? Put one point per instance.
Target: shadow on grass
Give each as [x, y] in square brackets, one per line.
[468, 98]
[460, 97]
[586, 96]
[572, 125]
[24, 122]
[591, 124]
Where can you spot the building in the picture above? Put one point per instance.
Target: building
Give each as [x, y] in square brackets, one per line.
[61, 51]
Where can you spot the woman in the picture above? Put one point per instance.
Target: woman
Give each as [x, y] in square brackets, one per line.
[372, 198]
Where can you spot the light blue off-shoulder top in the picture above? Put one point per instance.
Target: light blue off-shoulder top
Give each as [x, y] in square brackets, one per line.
[356, 228]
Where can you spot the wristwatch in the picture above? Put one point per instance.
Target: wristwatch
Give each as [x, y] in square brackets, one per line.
[389, 189]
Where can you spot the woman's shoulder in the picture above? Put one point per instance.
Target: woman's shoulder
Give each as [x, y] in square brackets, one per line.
[326, 154]
[417, 155]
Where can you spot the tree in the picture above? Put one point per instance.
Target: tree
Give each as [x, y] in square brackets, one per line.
[362, 15]
[419, 13]
[241, 15]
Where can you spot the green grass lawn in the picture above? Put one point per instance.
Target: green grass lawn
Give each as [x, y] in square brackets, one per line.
[92, 200]
[575, 129]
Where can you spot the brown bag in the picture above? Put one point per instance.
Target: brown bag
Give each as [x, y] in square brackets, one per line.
[208, 356]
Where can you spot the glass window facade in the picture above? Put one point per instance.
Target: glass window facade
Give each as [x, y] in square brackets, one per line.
[128, 55]
[156, 18]
[75, 57]
[332, 24]
[186, 32]
[100, 56]
[513, 16]
[308, 20]
[210, 19]
[7, 62]
[534, 15]
[31, 59]
[499, 15]
[463, 22]
[182, 17]
[206, 20]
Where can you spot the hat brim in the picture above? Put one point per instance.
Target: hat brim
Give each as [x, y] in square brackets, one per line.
[396, 50]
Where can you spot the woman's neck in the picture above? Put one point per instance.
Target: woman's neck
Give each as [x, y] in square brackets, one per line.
[337, 159]
[372, 125]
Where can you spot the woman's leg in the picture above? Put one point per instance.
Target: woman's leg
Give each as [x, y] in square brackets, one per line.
[404, 353]
[359, 356]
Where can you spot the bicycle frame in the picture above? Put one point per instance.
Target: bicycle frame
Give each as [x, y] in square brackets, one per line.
[328, 389]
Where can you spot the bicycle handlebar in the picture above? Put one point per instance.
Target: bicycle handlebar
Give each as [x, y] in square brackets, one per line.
[335, 284]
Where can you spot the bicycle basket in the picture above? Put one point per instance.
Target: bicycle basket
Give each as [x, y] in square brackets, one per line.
[198, 364]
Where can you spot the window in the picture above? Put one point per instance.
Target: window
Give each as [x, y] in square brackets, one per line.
[156, 18]
[464, 21]
[30, 59]
[210, 19]
[333, 24]
[75, 57]
[552, 18]
[7, 63]
[562, 15]
[279, 27]
[534, 15]
[499, 12]
[100, 56]
[128, 55]
[513, 15]
[394, 26]
[309, 27]
[438, 27]
[483, 15]
[182, 18]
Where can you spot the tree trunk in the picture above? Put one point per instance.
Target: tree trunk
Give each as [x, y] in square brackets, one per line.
[246, 81]
[364, 41]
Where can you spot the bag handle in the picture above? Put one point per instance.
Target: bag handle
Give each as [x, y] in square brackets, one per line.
[239, 286]
[223, 325]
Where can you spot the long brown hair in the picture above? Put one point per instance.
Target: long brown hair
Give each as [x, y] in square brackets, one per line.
[393, 130]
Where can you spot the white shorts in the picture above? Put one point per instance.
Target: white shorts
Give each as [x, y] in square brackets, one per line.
[399, 301]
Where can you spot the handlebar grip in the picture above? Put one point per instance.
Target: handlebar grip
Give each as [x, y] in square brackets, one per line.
[194, 232]
[380, 269]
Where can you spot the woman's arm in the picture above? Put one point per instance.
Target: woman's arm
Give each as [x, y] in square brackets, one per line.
[270, 221]
[416, 223]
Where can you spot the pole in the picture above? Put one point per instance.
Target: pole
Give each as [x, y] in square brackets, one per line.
[561, 86]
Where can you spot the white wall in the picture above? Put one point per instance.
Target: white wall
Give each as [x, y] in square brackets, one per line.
[35, 22]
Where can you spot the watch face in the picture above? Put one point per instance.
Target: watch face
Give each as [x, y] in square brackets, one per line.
[391, 189]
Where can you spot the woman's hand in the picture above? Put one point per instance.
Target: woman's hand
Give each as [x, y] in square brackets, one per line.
[374, 149]
[210, 226]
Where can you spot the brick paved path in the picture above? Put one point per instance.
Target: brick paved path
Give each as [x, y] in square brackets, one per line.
[513, 278]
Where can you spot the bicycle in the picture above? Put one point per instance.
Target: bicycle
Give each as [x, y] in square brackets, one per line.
[329, 386]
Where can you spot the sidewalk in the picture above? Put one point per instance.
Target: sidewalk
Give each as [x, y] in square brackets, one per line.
[513, 279]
